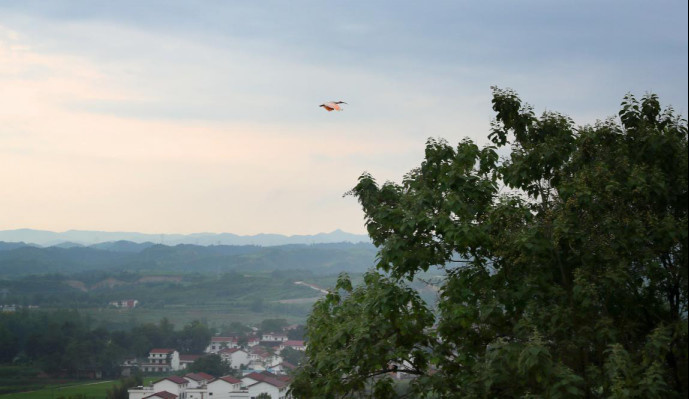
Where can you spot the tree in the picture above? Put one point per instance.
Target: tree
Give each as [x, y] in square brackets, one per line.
[564, 266]
[194, 337]
[292, 356]
[297, 333]
[273, 325]
[236, 328]
[211, 364]
[8, 345]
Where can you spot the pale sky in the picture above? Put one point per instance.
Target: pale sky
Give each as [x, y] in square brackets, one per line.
[202, 116]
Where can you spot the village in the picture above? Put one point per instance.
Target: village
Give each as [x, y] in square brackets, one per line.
[259, 370]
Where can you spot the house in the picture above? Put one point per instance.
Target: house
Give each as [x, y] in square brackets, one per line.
[274, 337]
[186, 360]
[128, 366]
[191, 386]
[223, 387]
[196, 393]
[8, 308]
[235, 356]
[294, 344]
[258, 383]
[281, 368]
[291, 327]
[253, 341]
[174, 385]
[219, 343]
[198, 379]
[125, 303]
[161, 361]
[162, 395]
[260, 357]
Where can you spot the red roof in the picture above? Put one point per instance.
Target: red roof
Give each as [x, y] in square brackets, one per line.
[163, 395]
[205, 376]
[229, 350]
[288, 365]
[162, 350]
[199, 376]
[293, 343]
[223, 339]
[230, 379]
[174, 378]
[268, 379]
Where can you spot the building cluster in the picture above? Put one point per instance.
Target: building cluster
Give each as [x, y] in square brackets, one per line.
[206, 386]
[256, 358]
[124, 303]
[12, 308]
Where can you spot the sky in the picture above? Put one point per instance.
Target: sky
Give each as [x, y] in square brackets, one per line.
[202, 116]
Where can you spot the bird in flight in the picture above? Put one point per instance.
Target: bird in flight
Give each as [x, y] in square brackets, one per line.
[333, 105]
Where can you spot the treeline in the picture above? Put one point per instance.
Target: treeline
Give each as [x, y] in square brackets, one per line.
[66, 342]
[97, 289]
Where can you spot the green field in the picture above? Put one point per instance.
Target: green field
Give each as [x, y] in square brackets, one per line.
[88, 390]
[74, 390]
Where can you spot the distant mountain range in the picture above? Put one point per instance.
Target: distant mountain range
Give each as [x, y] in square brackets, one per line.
[77, 238]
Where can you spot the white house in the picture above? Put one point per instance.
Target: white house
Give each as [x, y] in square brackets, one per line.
[274, 337]
[235, 356]
[186, 360]
[219, 343]
[174, 385]
[260, 358]
[197, 380]
[196, 393]
[161, 360]
[162, 395]
[125, 303]
[281, 368]
[222, 387]
[258, 383]
[294, 344]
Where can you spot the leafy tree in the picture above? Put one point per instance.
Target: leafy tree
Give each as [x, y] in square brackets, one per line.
[211, 364]
[263, 395]
[8, 345]
[564, 266]
[292, 356]
[273, 325]
[194, 337]
[297, 333]
[236, 328]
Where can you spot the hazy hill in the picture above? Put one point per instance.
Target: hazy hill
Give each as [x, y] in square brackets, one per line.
[185, 258]
[123, 246]
[84, 237]
[5, 246]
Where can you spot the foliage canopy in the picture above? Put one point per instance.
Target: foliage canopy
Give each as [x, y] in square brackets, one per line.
[564, 266]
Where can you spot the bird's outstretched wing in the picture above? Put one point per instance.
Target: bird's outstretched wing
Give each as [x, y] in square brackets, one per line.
[333, 105]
